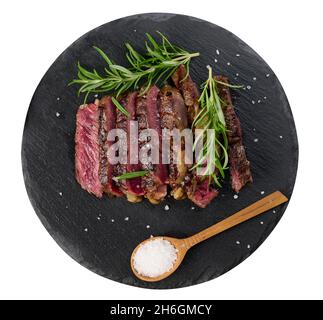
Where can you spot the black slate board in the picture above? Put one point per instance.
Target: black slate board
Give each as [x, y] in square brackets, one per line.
[95, 232]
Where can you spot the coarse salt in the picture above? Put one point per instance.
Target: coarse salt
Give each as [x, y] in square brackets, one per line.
[154, 258]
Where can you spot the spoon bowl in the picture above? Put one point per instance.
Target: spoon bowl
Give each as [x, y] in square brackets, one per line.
[183, 245]
[179, 245]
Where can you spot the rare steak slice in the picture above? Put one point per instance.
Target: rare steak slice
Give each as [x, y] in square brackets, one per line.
[122, 167]
[108, 117]
[239, 165]
[148, 117]
[134, 186]
[87, 149]
[200, 191]
[173, 115]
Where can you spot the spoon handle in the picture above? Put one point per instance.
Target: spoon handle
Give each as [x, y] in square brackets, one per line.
[274, 199]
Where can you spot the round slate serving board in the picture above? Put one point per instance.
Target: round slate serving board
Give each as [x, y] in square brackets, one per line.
[100, 234]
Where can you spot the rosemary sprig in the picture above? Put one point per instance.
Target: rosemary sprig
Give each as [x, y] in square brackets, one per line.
[131, 175]
[120, 106]
[157, 64]
[215, 150]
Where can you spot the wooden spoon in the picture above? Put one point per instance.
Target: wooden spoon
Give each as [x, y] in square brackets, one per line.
[183, 245]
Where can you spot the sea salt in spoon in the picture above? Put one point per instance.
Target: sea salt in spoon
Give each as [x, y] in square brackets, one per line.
[183, 245]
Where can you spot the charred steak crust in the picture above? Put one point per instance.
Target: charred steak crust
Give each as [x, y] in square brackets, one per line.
[87, 149]
[239, 165]
[189, 91]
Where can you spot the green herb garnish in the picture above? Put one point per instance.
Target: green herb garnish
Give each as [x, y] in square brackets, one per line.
[131, 175]
[120, 106]
[157, 64]
[214, 151]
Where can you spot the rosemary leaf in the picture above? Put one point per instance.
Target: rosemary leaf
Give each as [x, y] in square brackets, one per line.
[131, 175]
[119, 106]
[157, 64]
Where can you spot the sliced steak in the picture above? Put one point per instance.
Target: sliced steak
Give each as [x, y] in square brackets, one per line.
[201, 192]
[153, 118]
[108, 117]
[197, 188]
[173, 114]
[134, 186]
[239, 165]
[148, 117]
[189, 90]
[122, 168]
[87, 150]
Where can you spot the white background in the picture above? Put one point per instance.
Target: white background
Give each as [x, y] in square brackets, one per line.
[287, 34]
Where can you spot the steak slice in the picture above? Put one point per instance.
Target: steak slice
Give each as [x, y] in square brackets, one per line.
[149, 118]
[201, 192]
[189, 91]
[108, 117]
[134, 186]
[173, 114]
[197, 188]
[239, 165]
[87, 150]
[122, 168]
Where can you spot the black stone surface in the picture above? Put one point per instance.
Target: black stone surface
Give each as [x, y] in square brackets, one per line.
[94, 232]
